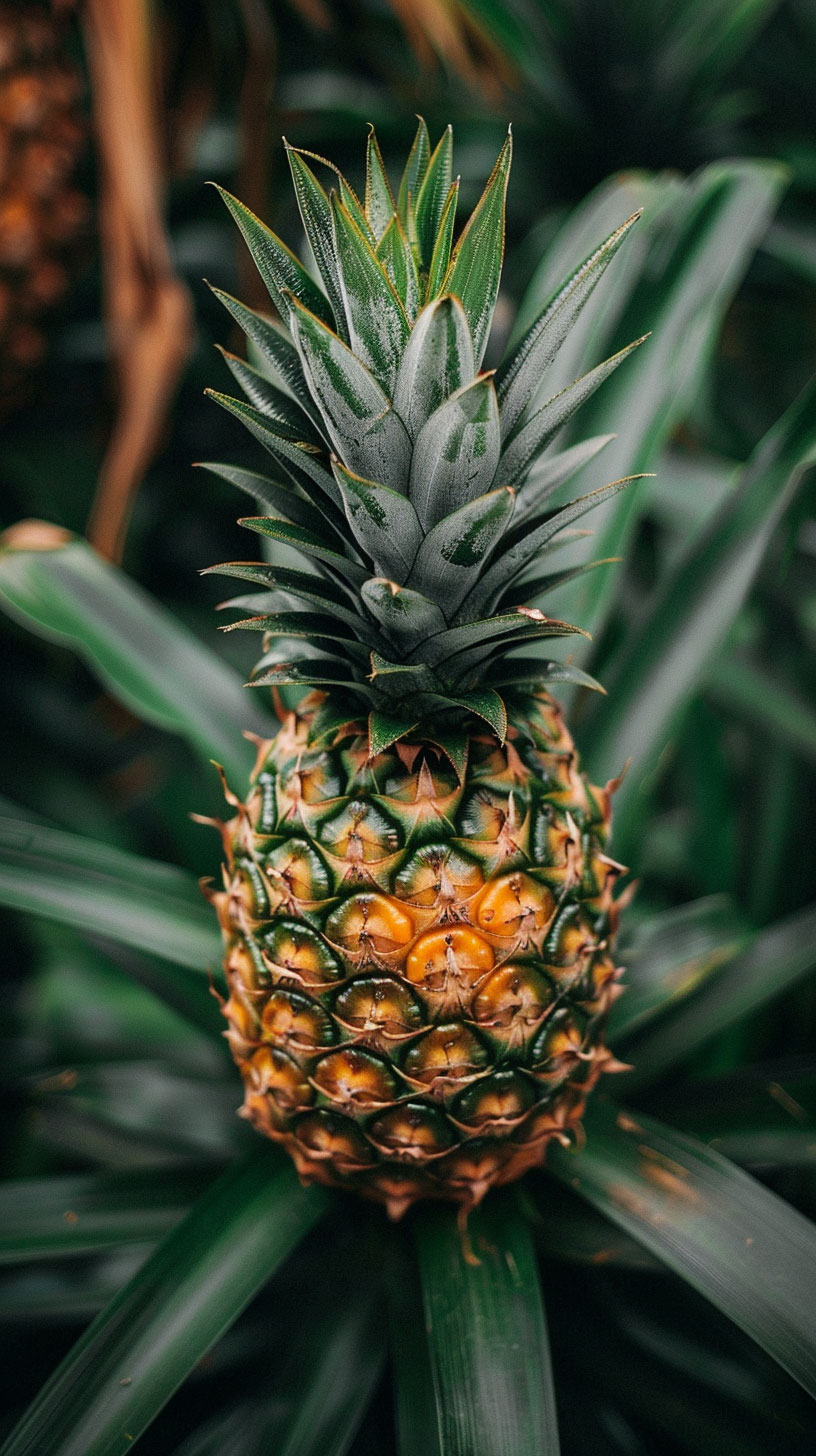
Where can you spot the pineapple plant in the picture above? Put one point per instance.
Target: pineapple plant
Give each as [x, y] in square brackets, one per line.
[418, 900]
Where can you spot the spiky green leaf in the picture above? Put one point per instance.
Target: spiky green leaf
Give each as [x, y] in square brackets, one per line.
[452, 556]
[475, 268]
[377, 321]
[440, 257]
[438, 361]
[430, 201]
[456, 452]
[280, 270]
[414, 173]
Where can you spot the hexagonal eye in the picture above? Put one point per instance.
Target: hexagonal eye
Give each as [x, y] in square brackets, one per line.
[450, 953]
[513, 1000]
[312, 777]
[451, 1051]
[438, 875]
[379, 1004]
[270, 1071]
[483, 815]
[354, 1078]
[412, 1131]
[559, 1043]
[301, 952]
[296, 1021]
[502, 1097]
[360, 833]
[329, 1135]
[297, 870]
[515, 906]
[367, 922]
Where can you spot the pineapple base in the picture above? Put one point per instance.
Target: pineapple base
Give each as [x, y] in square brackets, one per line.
[419, 966]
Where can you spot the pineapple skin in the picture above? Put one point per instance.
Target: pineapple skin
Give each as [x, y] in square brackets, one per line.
[419, 968]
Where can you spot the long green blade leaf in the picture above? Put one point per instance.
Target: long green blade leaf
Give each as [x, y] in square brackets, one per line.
[487, 1336]
[737, 1243]
[95, 888]
[59, 588]
[122, 1372]
[659, 669]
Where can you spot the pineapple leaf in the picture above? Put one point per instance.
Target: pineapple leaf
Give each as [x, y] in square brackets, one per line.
[527, 444]
[486, 704]
[105, 891]
[455, 551]
[534, 672]
[475, 268]
[270, 401]
[456, 452]
[271, 495]
[278, 354]
[308, 542]
[520, 625]
[366, 432]
[334, 713]
[315, 212]
[311, 672]
[383, 523]
[487, 1339]
[58, 587]
[440, 257]
[525, 545]
[386, 728]
[303, 462]
[438, 361]
[539, 586]
[519, 377]
[300, 624]
[554, 470]
[406, 616]
[379, 199]
[377, 321]
[394, 252]
[172, 1311]
[305, 585]
[435, 190]
[414, 173]
[734, 1241]
[280, 270]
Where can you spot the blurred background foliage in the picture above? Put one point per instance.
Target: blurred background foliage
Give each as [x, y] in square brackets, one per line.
[112, 119]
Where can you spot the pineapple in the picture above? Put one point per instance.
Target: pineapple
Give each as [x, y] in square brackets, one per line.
[418, 904]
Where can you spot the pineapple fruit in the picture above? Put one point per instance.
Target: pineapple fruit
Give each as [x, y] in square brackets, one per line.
[418, 905]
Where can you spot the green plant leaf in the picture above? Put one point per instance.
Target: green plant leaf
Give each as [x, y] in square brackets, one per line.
[406, 616]
[315, 213]
[367, 434]
[456, 549]
[440, 257]
[435, 190]
[270, 401]
[83, 1213]
[280, 270]
[394, 252]
[60, 589]
[378, 324]
[524, 449]
[487, 1337]
[305, 463]
[275, 354]
[105, 891]
[476, 264]
[415, 170]
[379, 199]
[308, 542]
[775, 959]
[519, 377]
[456, 452]
[270, 495]
[383, 523]
[124, 1369]
[749, 690]
[670, 956]
[437, 361]
[735, 1242]
[675, 278]
[658, 670]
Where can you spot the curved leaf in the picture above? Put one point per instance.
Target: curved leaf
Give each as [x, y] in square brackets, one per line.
[475, 268]
[122, 1372]
[105, 891]
[57, 586]
[487, 1338]
[737, 1243]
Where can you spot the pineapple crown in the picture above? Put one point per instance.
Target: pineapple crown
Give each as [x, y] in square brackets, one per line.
[414, 482]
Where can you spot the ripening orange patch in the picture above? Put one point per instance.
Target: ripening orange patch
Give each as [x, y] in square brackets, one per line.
[457, 952]
[373, 921]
